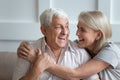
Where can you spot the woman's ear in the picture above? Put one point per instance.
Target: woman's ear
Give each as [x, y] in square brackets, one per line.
[99, 35]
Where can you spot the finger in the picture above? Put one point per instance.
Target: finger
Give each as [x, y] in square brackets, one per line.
[22, 43]
[22, 46]
[24, 50]
[27, 45]
[38, 51]
[22, 53]
[24, 57]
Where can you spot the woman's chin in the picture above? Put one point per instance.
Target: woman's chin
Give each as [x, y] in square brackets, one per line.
[80, 46]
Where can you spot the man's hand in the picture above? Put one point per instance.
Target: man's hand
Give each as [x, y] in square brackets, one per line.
[27, 52]
[41, 63]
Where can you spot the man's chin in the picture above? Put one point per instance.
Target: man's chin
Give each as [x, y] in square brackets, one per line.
[81, 46]
[63, 45]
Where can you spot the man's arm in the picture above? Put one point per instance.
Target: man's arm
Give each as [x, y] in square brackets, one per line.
[32, 74]
[40, 63]
[37, 68]
[21, 68]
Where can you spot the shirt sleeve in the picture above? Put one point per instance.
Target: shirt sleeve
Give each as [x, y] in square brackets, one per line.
[21, 68]
[109, 56]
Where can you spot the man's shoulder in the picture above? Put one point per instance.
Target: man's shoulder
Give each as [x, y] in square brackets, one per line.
[38, 42]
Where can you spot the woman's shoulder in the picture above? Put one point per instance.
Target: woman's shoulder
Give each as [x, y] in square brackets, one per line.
[111, 46]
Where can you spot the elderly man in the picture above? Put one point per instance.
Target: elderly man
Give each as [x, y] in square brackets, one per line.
[55, 43]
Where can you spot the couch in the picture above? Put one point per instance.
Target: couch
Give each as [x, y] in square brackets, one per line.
[7, 65]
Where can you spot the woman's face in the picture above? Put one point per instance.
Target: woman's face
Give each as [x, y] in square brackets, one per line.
[87, 36]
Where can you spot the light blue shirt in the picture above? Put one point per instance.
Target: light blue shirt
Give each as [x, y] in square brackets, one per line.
[110, 53]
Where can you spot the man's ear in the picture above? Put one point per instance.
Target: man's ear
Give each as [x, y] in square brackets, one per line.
[43, 30]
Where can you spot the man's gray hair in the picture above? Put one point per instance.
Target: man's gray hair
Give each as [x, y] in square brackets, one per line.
[47, 15]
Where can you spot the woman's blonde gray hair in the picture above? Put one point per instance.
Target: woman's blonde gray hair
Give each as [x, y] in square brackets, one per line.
[97, 21]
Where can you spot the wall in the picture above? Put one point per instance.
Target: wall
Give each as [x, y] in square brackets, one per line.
[19, 19]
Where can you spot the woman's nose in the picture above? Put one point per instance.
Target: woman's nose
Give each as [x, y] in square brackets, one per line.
[77, 33]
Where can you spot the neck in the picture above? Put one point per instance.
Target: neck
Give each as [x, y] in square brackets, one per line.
[92, 50]
[91, 53]
[56, 52]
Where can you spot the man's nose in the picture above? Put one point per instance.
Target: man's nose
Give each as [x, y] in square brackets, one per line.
[64, 31]
[77, 33]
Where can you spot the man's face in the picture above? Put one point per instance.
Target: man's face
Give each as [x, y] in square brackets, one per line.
[57, 33]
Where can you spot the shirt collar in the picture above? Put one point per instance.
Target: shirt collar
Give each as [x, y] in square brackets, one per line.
[67, 47]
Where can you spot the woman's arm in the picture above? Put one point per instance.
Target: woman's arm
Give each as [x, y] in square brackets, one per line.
[86, 70]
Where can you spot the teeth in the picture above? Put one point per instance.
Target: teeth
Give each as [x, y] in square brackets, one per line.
[62, 38]
[80, 39]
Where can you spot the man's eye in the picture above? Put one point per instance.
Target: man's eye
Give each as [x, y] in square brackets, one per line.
[66, 26]
[57, 26]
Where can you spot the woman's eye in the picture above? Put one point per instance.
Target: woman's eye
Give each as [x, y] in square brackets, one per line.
[81, 29]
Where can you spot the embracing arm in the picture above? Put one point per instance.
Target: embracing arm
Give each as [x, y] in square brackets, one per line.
[32, 74]
[87, 69]
[40, 62]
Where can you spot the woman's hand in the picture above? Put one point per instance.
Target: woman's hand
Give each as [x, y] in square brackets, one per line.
[27, 52]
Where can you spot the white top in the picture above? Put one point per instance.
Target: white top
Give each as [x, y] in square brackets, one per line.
[110, 53]
[71, 56]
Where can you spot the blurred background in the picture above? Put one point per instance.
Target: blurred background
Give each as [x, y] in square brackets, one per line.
[19, 19]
